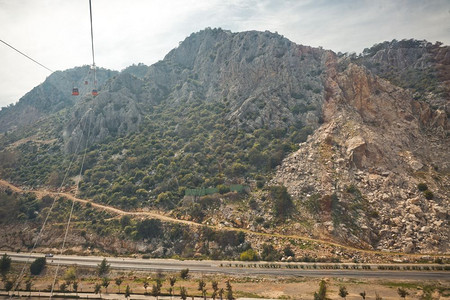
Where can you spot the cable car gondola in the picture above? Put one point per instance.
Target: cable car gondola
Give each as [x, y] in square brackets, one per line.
[75, 92]
[94, 93]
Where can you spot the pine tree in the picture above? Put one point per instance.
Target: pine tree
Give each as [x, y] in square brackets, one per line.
[343, 292]
[172, 281]
[103, 268]
[105, 283]
[98, 288]
[118, 282]
[183, 293]
[5, 264]
[229, 291]
[215, 287]
[127, 291]
[322, 293]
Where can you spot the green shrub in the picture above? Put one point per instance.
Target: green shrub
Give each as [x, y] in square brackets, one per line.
[422, 186]
[37, 265]
[149, 228]
[223, 189]
[249, 255]
[282, 202]
[428, 194]
[288, 251]
[269, 253]
[184, 273]
[260, 184]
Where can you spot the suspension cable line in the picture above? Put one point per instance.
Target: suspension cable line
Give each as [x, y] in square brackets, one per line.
[92, 34]
[41, 231]
[94, 92]
[73, 205]
[35, 61]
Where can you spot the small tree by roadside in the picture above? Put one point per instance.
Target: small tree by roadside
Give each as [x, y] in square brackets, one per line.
[98, 289]
[402, 292]
[343, 292]
[8, 285]
[146, 284]
[184, 274]
[172, 281]
[118, 282]
[183, 293]
[201, 287]
[75, 287]
[215, 287]
[322, 293]
[37, 265]
[103, 268]
[156, 288]
[28, 285]
[5, 265]
[105, 283]
[127, 291]
[229, 291]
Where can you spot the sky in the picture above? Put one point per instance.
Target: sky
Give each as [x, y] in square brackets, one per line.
[57, 33]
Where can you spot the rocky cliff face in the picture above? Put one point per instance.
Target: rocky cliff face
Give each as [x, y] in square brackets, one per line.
[263, 79]
[266, 80]
[368, 158]
[420, 66]
[113, 113]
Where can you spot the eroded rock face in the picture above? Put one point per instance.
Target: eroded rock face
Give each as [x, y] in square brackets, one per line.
[263, 79]
[112, 113]
[370, 154]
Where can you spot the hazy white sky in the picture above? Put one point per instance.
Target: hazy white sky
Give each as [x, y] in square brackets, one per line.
[57, 32]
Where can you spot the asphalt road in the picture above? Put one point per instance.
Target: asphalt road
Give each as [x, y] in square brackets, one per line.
[237, 267]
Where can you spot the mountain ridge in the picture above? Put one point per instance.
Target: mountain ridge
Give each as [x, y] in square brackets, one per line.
[344, 135]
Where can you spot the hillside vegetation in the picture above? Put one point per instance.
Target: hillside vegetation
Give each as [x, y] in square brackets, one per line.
[322, 145]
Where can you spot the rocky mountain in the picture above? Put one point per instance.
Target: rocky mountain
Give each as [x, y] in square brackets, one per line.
[53, 95]
[360, 143]
[365, 162]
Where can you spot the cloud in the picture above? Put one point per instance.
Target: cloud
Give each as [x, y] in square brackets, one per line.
[57, 32]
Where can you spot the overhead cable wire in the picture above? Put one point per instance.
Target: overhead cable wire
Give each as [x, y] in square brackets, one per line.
[92, 34]
[69, 167]
[92, 44]
[35, 61]
[60, 74]
[73, 204]
[41, 231]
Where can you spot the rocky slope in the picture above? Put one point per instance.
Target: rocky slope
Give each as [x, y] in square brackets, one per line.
[225, 108]
[369, 157]
[281, 87]
[420, 66]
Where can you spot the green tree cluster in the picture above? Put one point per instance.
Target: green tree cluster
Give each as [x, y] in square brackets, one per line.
[38, 265]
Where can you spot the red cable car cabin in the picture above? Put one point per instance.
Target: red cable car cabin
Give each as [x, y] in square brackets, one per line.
[75, 92]
[94, 92]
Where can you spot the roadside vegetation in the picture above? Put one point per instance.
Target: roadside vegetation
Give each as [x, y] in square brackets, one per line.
[183, 284]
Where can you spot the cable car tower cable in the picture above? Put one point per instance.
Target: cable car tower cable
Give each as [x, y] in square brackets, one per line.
[94, 91]
[74, 90]
[27, 56]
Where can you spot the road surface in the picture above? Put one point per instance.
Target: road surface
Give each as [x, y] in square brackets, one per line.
[239, 268]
